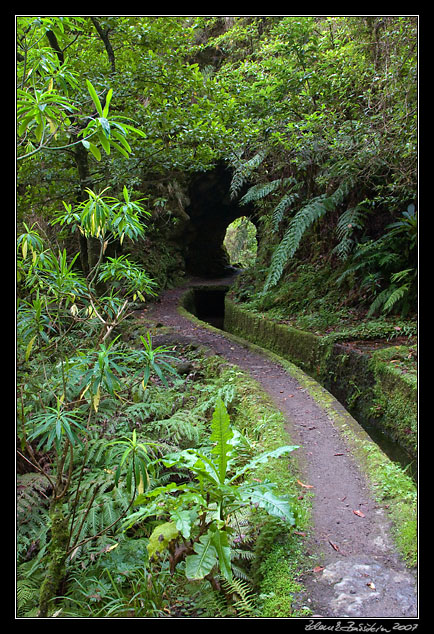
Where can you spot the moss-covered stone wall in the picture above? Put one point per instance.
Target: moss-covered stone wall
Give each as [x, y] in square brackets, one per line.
[372, 391]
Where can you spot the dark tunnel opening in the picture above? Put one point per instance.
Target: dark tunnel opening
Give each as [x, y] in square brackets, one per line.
[211, 211]
[210, 305]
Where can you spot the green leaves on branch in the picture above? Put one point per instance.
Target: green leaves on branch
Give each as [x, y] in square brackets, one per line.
[54, 425]
[157, 360]
[43, 115]
[136, 461]
[134, 280]
[102, 215]
[110, 131]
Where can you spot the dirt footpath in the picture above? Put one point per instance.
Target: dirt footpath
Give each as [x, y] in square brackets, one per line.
[357, 572]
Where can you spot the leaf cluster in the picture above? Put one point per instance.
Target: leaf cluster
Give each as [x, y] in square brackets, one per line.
[198, 511]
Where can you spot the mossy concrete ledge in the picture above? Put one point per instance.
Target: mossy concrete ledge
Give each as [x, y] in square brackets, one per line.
[373, 391]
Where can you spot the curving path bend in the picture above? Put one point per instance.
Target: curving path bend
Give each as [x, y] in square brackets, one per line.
[360, 574]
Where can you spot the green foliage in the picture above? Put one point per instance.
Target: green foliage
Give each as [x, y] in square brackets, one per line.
[319, 148]
[381, 265]
[298, 226]
[202, 507]
[240, 242]
[352, 219]
[261, 190]
[54, 425]
[243, 171]
[284, 205]
[137, 460]
[155, 360]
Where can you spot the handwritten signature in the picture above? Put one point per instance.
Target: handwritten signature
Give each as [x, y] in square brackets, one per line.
[352, 626]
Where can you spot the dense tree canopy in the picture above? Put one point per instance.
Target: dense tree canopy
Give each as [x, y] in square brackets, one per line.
[318, 113]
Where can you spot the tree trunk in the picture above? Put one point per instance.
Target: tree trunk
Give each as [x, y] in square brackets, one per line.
[57, 551]
[89, 247]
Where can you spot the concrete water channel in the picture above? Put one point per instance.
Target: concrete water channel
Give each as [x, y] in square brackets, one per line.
[209, 306]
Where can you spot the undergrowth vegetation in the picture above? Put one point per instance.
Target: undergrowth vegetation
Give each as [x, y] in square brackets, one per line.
[159, 479]
[309, 299]
[120, 454]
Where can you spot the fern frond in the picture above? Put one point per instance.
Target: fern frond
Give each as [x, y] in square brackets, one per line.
[285, 203]
[292, 238]
[303, 219]
[180, 428]
[244, 598]
[261, 190]
[239, 573]
[31, 495]
[353, 218]
[28, 587]
[27, 596]
[378, 302]
[243, 171]
[395, 296]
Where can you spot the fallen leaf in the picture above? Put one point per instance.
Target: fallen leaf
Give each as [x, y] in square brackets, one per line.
[300, 533]
[359, 513]
[318, 568]
[335, 546]
[339, 454]
[306, 486]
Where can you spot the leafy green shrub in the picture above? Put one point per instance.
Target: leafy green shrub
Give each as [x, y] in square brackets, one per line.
[197, 511]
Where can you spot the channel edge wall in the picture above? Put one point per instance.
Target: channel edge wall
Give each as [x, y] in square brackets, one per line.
[373, 391]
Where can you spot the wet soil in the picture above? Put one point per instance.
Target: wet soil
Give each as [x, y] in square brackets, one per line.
[356, 571]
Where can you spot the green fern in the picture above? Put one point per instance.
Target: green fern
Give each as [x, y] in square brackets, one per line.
[243, 171]
[353, 218]
[388, 299]
[105, 509]
[32, 491]
[32, 514]
[282, 207]
[395, 296]
[298, 226]
[261, 190]
[183, 427]
[28, 587]
[292, 238]
[243, 597]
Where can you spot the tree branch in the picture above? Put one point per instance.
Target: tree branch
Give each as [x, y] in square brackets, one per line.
[108, 47]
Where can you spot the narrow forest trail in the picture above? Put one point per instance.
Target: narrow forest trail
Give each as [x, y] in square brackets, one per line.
[361, 573]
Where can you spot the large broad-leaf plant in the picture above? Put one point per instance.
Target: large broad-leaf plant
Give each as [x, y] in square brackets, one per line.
[197, 512]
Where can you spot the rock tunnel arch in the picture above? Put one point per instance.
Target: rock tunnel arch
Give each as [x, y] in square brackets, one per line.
[211, 210]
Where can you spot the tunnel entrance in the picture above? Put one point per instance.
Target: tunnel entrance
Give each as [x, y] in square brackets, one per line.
[211, 211]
